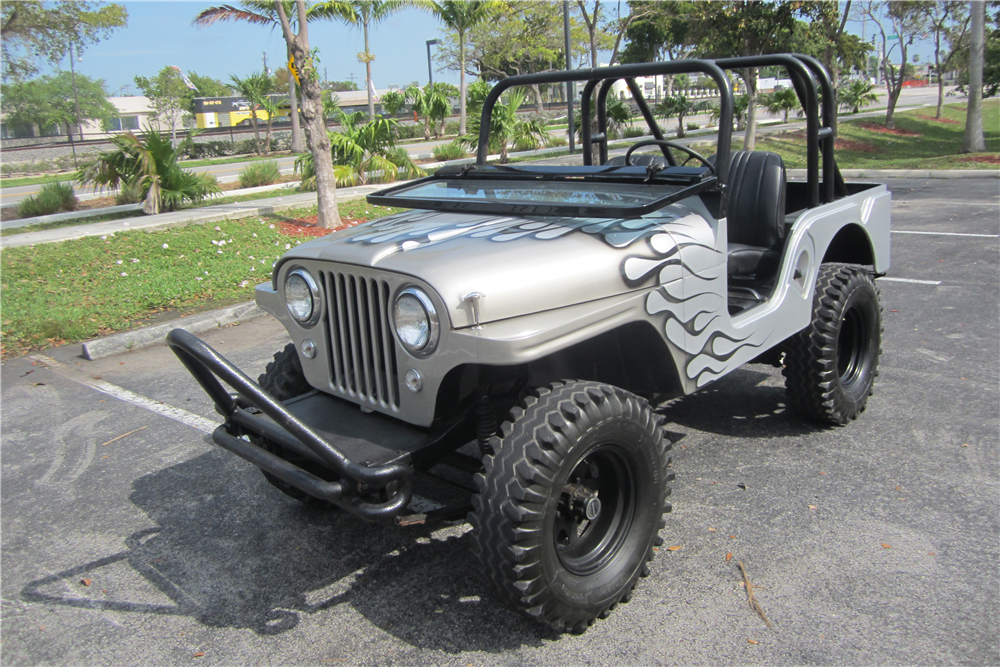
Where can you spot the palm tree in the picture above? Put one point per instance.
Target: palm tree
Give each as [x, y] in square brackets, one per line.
[507, 130]
[263, 12]
[780, 101]
[255, 88]
[429, 102]
[150, 167]
[367, 13]
[393, 102]
[363, 152]
[460, 16]
[856, 94]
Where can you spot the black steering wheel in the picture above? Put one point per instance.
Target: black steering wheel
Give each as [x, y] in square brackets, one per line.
[668, 144]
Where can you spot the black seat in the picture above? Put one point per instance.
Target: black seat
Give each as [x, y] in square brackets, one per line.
[756, 213]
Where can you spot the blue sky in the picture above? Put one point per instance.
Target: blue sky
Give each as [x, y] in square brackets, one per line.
[160, 34]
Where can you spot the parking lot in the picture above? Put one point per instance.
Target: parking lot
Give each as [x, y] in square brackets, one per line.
[129, 539]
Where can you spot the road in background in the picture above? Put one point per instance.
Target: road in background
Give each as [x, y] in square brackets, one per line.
[127, 539]
[910, 97]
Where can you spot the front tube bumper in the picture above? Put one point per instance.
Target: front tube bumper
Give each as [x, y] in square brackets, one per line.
[208, 367]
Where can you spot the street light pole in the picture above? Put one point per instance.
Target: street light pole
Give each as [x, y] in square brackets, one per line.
[430, 70]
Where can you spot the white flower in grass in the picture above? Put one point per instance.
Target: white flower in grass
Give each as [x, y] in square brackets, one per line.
[104, 238]
[206, 273]
[271, 226]
[218, 252]
[218, 229]
[288, 246]
[124, 274]
[198, 278]
[165, 246]
[118, 262]
[135, 261]
[255, 234]
[214, 242]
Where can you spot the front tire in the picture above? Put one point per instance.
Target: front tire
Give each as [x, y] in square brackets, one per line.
[571, 502]
[284, 379]
[831, 365]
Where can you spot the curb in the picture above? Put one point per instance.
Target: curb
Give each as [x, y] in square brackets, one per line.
[155, 335]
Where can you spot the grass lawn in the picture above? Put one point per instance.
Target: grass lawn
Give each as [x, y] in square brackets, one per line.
[36, 180]
[923, 142]
[58, 293]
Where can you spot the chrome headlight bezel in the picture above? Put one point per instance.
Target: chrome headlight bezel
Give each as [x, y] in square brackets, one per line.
[430, 315]
[315, 296]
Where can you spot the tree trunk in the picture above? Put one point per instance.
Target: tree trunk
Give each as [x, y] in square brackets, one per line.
[427, 128]
[680, 126]
[267, 136]
[539, 105]
[293, 99]
[750, 134]
[256, 133]
[312, 113]
[973, 141]
[368, 78]
[461, 84]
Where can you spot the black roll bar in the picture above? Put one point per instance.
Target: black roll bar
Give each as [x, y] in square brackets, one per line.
[595, 75]
[801, 77]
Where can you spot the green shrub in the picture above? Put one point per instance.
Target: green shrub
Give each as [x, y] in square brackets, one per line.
[452, 151]
[129, 193]
[409, 131]
[632, 132]
[451, 128]
[557, 140]
[693, 126]
[53, 198]
[199, 151]
[245, 146]
[257, 174]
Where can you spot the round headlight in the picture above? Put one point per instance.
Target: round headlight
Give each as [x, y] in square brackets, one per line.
[416, 322]
[302, 297]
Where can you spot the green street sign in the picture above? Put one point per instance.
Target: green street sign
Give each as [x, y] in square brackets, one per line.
[893, 37]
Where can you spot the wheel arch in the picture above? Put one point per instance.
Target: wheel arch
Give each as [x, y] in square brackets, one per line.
[633, 356]
[850, 245]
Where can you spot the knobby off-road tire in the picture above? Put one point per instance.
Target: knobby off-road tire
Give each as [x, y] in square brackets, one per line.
[570, 504]
[831, 365]
[283, 379]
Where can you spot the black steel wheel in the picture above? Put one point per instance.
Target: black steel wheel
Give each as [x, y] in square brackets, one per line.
[571, 502]
[831, 365]
[283, 379]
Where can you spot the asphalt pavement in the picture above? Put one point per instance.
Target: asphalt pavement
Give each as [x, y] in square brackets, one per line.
[128, 539]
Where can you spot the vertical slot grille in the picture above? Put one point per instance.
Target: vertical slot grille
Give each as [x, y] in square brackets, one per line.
[362, 354]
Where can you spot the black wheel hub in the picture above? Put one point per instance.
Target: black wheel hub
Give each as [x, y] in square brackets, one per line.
[595, 512]
[852, 344]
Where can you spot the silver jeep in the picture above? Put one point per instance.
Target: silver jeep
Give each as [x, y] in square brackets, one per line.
[498, 344]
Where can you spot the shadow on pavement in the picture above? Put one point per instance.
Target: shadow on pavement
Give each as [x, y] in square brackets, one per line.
[230, 551]
[739, 405]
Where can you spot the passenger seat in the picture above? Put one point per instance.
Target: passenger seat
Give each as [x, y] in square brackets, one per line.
[756, 213]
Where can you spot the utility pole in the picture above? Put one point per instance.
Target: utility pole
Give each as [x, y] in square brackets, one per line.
[76, 102]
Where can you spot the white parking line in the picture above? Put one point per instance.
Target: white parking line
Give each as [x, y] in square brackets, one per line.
[182, 416]
[980, 236]
[911, 280]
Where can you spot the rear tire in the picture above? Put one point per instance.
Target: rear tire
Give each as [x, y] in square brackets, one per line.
[283, 379]
[570, 505]
[831, 365]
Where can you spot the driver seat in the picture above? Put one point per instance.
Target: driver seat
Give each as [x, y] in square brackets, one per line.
[756, 213]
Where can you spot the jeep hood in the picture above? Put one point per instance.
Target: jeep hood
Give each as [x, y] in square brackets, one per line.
[521, 265]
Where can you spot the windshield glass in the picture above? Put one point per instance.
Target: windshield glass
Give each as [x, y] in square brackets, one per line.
[534, 192]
